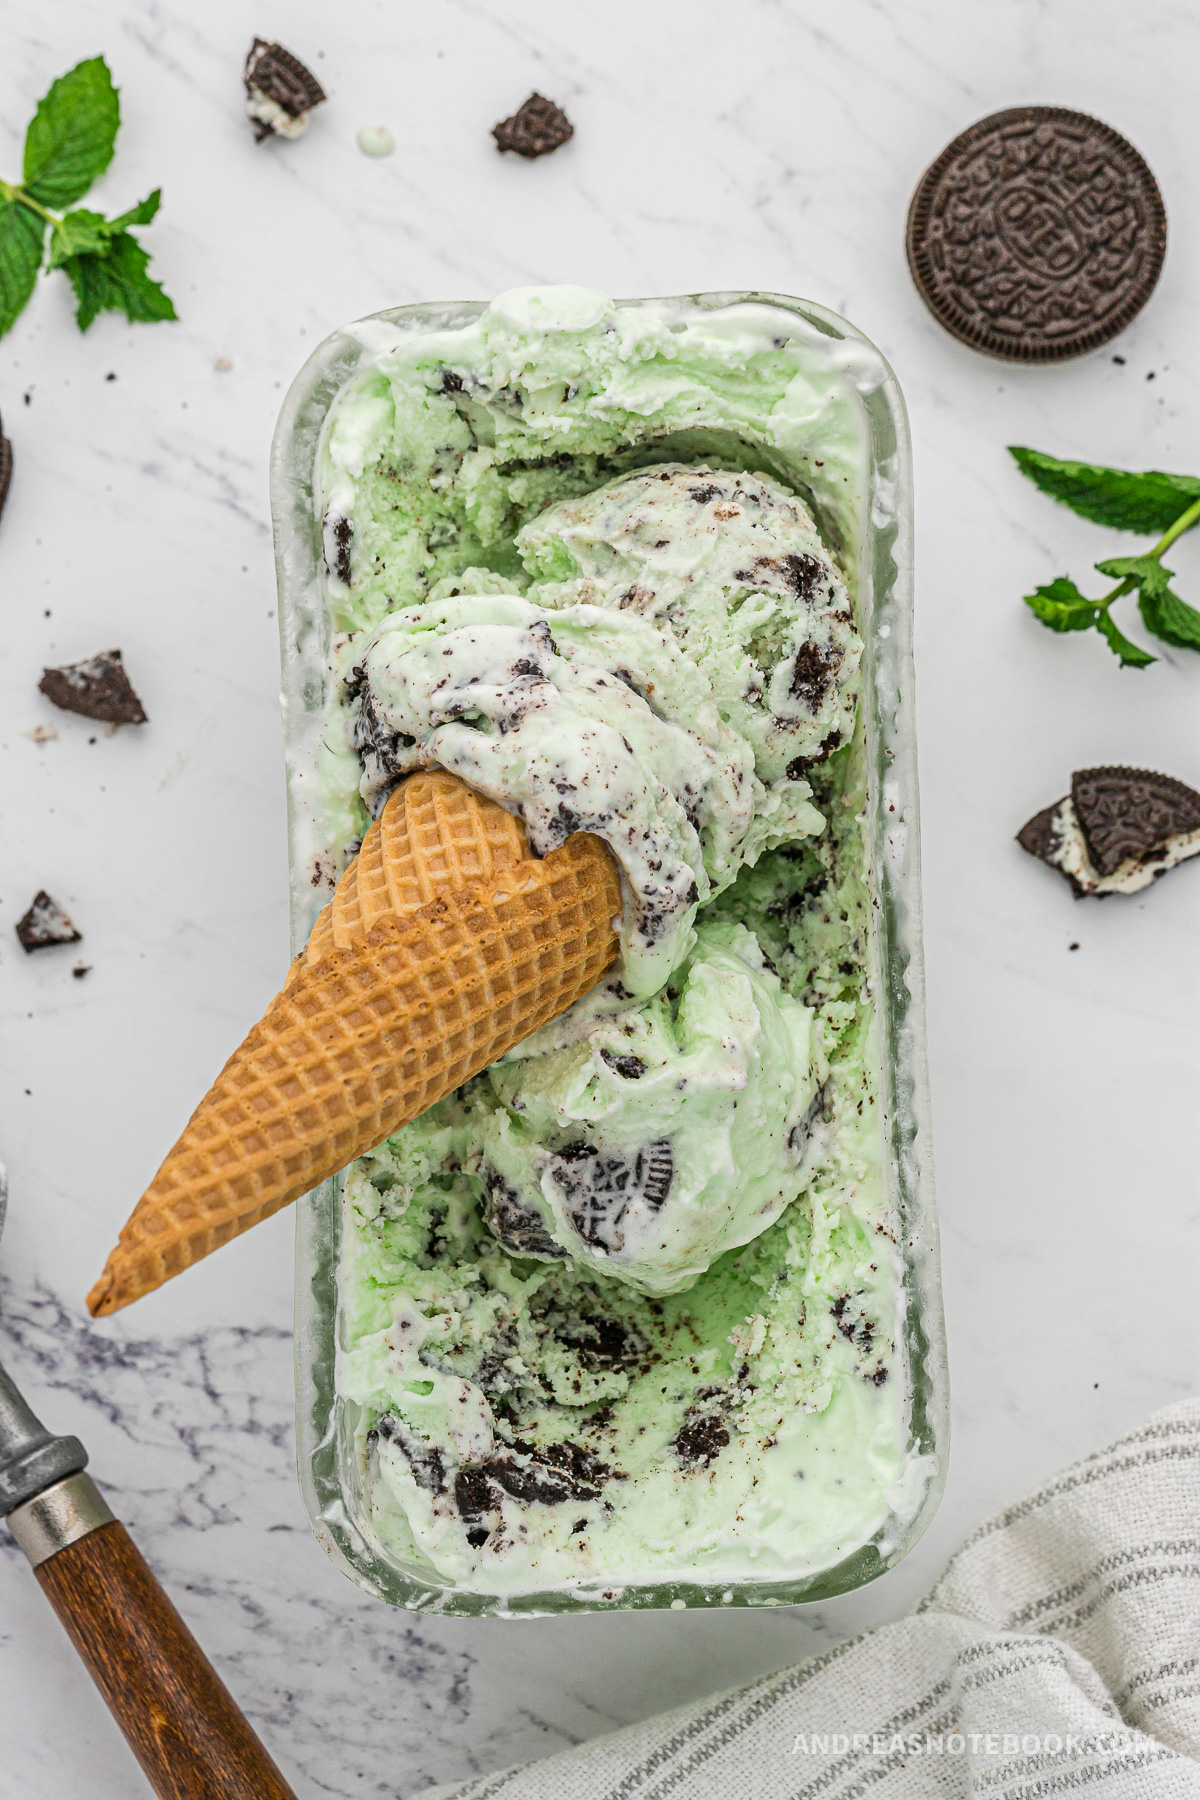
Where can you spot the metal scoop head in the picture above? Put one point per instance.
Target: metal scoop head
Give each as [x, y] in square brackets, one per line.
[31, 1458]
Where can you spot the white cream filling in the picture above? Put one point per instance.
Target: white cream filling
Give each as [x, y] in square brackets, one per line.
[1070, 854]
[270, 113]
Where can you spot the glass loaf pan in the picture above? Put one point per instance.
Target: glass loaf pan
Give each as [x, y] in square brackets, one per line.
[882, 592]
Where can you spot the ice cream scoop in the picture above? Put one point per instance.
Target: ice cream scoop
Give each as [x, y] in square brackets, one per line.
[447, 942]
[178, 1717]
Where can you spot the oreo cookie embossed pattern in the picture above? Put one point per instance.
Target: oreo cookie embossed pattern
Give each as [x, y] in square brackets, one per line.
[1116, 831]
[1037, 235]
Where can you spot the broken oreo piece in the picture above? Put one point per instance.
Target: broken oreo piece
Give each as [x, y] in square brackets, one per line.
[338, 534]
[608, 1190]
[1116, 831]
[280, 91]
[1126, 813]
[46, 923]
[98, 688]
[424, 1459]
[702, 1436]
[6, 466]
[535, 129]
[514, 1223]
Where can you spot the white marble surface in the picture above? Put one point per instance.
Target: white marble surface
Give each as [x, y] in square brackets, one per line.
[768, 143]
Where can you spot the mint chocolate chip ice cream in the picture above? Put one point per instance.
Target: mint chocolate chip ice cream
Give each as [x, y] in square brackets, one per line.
[626, 1307]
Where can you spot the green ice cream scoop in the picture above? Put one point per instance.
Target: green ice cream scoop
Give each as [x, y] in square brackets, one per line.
[671, 1134]
[733, 567]
[669, 700]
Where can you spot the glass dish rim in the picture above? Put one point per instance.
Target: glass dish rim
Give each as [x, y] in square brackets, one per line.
[892, 833]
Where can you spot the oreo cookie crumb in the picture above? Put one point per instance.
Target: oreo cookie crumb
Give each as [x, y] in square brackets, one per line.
[516, 1226]
[535, 129]
[803, 574]
[602, 1343]
[46, 923]
[280, 91]
[701, 1438]
[6, 466]
[799, 765]
[855, 1327]
[425, 1460]
[98, 688]
[80, 970]
[1038, 835]
[629, 1068]
[549, 1473]
[473, 1496]
[813, 673]
[338, 536]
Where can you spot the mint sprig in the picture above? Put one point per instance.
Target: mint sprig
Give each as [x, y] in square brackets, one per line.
[68, 145]
[1129, 502]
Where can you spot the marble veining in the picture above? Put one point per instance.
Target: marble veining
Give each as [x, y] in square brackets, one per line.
[772, 144]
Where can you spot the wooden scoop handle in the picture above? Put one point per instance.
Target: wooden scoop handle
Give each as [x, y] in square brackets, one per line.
[179, 1718]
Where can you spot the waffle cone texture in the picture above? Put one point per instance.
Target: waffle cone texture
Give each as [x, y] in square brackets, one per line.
[446, 943]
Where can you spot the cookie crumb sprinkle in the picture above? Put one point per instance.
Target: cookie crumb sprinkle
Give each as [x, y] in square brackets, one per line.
[535, 129]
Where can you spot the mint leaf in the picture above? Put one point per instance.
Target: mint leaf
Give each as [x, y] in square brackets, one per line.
[70, 138]
[1131, 657]
[142, 213]
[1147, 571]
[21, 237]
[1061, 606]
[1117, 497]
[76, 233]
[1164, 613]
[1170, 619]
[117, 282]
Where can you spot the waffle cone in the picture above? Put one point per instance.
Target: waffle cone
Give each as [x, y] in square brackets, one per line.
[446, 943]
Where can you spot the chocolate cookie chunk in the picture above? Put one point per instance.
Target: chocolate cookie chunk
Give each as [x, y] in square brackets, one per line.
[98, 688]
[602, 1187]
[46, 923]
[535, 130]
[1038, 234]
[515, 1225]
[6, 466]
[701, 1438]
[1116, 831]
[280, 91]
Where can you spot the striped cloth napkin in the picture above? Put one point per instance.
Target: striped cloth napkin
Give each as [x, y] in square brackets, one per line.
[1058, 1656]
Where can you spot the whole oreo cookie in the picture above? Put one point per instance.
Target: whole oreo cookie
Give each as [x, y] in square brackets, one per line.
[1037, 235]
